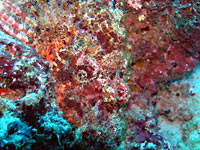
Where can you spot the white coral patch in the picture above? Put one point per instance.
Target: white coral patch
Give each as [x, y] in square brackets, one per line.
[135, 4]
[1, 5]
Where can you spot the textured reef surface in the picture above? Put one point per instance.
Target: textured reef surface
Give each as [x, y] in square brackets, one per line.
[99, 75]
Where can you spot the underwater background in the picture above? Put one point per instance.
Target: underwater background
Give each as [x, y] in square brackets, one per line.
[99, 75]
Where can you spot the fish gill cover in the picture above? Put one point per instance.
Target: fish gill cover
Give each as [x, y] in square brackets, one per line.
[99, 74]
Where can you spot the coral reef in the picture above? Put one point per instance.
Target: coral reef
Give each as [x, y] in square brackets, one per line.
[99, 74]
[29, 112]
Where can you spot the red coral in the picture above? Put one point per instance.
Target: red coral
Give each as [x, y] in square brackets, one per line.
[179, 60]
